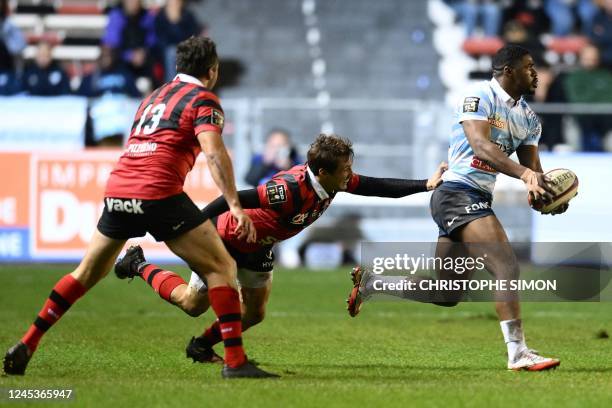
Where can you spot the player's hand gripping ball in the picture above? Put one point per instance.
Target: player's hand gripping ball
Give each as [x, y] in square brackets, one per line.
[564, 183]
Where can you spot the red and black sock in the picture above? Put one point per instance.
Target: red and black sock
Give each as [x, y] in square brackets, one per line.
[65, 292]
[163, 282]
[212, 335]
[225, 301]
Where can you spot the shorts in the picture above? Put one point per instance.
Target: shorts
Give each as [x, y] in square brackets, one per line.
[255, 269]
[165, 219]
[455, 204]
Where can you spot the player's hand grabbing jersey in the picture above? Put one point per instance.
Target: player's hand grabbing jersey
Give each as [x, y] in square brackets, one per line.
[163, 143]
[513, 123]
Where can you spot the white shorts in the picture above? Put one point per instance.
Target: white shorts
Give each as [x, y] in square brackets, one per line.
[246, 279]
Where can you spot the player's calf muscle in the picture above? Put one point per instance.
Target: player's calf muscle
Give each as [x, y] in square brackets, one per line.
[189, 300]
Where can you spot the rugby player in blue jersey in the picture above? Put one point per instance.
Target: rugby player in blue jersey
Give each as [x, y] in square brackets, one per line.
[492, 121]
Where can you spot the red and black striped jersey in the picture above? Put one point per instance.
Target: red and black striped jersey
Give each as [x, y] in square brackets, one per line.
[163, 145]
[290, 201]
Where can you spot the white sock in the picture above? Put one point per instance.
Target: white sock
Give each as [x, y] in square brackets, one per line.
[197, 283]
[514, 337]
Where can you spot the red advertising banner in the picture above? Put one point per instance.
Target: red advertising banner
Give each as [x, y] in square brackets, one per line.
[58, 198]
[14, 191]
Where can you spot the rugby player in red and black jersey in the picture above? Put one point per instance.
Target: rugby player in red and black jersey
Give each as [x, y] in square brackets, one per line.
[145, 194]
[280, 209]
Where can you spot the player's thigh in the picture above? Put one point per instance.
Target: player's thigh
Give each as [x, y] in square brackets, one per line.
[446, 249]
[482, 230]
[485, 237]
[202, 248]
[255, 299]
[98, 260]
[255, 272]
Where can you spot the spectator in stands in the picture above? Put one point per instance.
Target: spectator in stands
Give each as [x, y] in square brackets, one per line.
[515, 32]
[590, 83]
[110, 77]
[110, 111]
[131, 31]
[12, 43]
[173, 24]
[530, 13]
[45, 77]
[279, 154]
[561, 13]
[601, 32]
[470, 11]
[550, 90]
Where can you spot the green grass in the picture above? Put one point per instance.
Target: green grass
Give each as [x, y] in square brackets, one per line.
[121, 345]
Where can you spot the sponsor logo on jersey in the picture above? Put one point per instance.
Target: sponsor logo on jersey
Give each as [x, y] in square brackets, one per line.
[506, 149]
[143, 149]
[496, 121]
[483, 205]
[276, 194]
[481, 165]
[269, 240]
[470, 104]
[217, 118]
[299, 219]
[130, 206]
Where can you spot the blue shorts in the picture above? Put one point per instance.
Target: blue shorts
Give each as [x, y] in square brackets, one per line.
[455, 204]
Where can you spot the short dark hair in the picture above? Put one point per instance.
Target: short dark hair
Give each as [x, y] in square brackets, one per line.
[195, 56]
[508, 55]
[326, 150]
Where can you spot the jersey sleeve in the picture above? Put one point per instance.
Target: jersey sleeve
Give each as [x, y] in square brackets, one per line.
[208, 115]
[276, 195]
[353, 183]
[534, 129]
[475, 105]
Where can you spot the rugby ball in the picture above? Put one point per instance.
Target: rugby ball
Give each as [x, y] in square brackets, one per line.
[564, 183]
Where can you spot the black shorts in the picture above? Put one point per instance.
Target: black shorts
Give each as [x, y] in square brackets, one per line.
[455, 204]
[165, 219]
[260, 261]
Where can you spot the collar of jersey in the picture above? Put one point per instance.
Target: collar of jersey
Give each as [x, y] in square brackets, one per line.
[502, 93]
[190, 79]
[318, 188]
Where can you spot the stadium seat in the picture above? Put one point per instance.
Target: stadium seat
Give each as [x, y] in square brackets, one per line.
[51, 37]
[482, 46]
[68, 52]
[570, 44]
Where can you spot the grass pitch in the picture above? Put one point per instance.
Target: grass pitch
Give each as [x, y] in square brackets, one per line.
[121, 345]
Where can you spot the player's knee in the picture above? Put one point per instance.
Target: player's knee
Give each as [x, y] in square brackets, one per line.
[88, 276]
[251, 318]
[225, 265]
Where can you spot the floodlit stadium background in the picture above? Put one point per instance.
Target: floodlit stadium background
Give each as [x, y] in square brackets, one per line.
[383, 73]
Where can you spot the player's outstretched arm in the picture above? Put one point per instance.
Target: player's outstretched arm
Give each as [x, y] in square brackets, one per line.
[478, 133]
[396, 188]
[221, 169]
[248, 199]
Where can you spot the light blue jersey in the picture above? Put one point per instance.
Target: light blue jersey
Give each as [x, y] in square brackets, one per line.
[512, 124]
